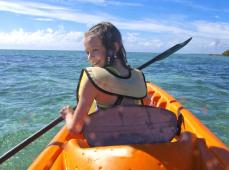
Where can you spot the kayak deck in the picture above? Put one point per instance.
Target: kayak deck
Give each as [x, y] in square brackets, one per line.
[196, 148]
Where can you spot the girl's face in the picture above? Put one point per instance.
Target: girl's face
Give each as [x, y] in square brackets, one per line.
[95, 50]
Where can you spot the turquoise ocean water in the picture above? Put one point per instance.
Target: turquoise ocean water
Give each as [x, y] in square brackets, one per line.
[34, 85]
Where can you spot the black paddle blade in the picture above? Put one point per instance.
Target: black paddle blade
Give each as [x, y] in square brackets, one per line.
[165, 53]
[123, 125]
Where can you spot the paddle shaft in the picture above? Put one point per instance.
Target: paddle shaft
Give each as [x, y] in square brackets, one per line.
[56, 121]
[30, 139]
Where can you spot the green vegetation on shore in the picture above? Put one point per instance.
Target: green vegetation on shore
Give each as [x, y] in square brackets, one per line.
[226, 53]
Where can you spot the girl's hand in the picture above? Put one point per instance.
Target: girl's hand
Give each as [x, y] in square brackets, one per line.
[66, 110]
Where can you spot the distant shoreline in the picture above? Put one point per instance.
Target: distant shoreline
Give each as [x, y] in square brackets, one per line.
[226, 53]
[216, 54]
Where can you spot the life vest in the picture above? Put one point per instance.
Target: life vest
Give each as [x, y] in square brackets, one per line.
[132, 86]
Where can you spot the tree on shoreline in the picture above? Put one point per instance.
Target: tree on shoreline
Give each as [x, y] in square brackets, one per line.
[226, 53]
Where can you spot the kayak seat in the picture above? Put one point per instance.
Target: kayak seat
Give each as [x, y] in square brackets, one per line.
[130, 125]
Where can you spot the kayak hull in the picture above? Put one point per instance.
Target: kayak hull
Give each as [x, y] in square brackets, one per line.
[196, 148]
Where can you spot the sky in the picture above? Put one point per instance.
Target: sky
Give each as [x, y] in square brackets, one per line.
[146, 25]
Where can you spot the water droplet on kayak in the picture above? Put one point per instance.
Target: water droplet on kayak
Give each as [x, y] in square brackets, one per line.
[87, 120]
[92, 135]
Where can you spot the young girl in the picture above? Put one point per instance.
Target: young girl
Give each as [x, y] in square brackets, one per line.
[110, 81]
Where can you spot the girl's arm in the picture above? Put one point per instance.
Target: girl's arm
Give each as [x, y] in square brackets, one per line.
[75, 119]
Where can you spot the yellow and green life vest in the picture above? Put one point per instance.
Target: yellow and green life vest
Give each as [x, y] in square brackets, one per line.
[109, 81]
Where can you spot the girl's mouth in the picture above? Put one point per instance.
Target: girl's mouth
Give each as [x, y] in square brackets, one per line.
[95, 64]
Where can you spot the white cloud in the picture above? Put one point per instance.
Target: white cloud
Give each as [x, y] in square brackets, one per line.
[134, 42]
[102, 2]
[41, 39]
[44, 19]
[132, 37]
[212, 45]
[212, 30]
[121, 3]
[49, 11]
[90, 1]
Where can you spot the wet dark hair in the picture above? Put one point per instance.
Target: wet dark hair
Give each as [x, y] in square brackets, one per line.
[109, 34]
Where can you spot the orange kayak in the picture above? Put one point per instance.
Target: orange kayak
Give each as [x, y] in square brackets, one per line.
[196, 148]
